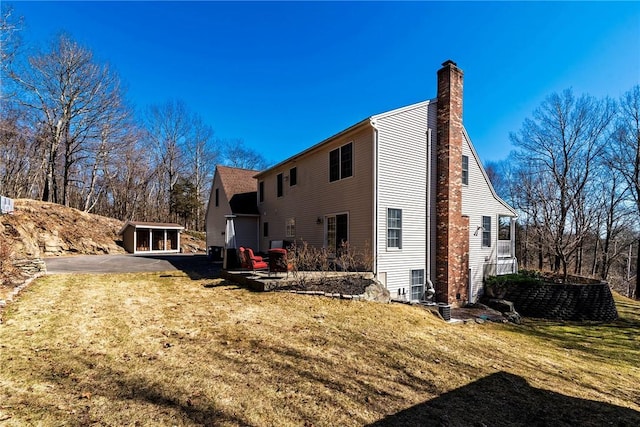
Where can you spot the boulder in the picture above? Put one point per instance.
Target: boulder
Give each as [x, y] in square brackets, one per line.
[377, 292]
[501, 305]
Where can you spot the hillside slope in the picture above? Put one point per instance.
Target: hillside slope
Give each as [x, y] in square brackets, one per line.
[40, 229]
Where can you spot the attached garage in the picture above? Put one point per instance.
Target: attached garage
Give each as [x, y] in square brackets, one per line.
[151, 237]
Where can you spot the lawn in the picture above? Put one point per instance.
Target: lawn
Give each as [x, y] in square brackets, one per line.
[163, 349]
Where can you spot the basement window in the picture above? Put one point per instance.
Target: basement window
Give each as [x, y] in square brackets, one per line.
[417, 285]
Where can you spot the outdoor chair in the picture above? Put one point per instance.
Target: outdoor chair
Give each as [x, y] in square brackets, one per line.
[278, 261]
[250, 261]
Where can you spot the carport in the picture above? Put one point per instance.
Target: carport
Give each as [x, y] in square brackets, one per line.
[151, 237]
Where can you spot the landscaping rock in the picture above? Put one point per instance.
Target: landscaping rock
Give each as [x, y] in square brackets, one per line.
[513, 317]
[506, 308]
[501, 305]
[377, 292]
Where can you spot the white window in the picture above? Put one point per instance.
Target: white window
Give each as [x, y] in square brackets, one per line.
[394, 228]
[465, 170]
[504, 227]
[505, 247]
[417, 285]
[291, 227]
[486, 231]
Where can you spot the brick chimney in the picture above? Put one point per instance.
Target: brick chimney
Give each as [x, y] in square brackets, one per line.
[452, 230]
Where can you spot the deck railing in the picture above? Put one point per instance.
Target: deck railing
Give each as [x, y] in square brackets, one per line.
[503, 266]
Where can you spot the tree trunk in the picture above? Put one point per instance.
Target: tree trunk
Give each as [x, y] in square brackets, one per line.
[578, 267]
[637, 290]
[594, 266]
[540, 254]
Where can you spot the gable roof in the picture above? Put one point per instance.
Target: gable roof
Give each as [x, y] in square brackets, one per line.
[236, 180]
[484, 174]
[315, 147]
[239, 185]
[369, 121]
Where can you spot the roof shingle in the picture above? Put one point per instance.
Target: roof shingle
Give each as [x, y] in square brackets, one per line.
[240, 186]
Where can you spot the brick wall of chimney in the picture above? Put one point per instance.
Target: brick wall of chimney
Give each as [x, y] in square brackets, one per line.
[452, 230]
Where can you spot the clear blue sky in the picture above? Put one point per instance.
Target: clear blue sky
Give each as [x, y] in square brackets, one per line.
[284, 76]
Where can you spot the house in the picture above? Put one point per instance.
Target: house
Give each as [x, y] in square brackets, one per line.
[151, 237]
[408, 185]
[233, 193]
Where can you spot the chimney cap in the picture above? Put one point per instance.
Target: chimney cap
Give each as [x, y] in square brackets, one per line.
[447, 62]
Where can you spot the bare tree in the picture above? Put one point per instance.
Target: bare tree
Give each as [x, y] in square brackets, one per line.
[238, 155]
[615, 215]
[10, 43]
[128, 180]
[562, 142]
[625, 155]
[117, 133]
[201, 156]
[169, 126]
[69, 95]
[17, 145]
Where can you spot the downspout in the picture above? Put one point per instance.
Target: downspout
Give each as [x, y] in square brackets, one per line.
[430, 292]
[374, 241]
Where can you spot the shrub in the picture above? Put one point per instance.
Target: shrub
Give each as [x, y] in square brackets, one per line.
[304, 257]
[497, 286]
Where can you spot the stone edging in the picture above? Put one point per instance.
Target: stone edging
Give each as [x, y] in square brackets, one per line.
[34, 268]
[360, 297]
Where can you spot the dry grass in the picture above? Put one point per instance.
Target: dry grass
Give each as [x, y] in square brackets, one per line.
[161, 349]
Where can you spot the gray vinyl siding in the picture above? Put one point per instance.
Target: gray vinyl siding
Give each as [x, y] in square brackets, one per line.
[479, 200]
[315, 197]
[402, 184]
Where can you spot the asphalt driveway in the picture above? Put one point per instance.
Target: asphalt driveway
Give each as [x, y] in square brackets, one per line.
[197, 266]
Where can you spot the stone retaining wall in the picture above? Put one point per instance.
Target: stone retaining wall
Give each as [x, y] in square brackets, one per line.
[29, 269]
[564, 302]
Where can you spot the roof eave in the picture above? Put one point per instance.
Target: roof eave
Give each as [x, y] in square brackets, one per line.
[362, 123]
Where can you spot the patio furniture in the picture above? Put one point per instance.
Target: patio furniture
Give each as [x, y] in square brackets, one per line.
[250, 261]
[278, 261]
